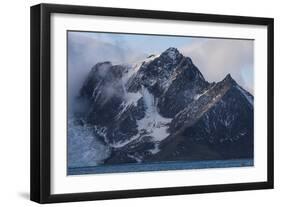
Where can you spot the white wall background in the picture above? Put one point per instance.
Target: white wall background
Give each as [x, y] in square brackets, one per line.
[14, 101]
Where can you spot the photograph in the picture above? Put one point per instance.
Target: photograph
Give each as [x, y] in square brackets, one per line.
[133, 103]
[157, 102]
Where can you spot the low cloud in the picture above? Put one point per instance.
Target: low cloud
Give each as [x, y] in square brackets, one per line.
[85, 50]
[215, 58]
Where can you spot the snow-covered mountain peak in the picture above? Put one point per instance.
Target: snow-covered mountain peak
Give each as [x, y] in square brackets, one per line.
[171, 53]
[171, 50]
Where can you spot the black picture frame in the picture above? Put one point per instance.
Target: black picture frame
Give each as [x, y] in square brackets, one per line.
[40, 184]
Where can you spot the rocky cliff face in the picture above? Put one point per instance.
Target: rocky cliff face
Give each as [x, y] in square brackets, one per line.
[162, 109]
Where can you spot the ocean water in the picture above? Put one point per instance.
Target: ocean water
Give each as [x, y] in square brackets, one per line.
[163, 166]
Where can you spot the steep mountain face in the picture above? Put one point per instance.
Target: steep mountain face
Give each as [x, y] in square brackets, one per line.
[162, 109]
[172, 78]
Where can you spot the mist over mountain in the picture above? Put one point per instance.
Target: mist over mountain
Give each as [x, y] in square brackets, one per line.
[158, 109]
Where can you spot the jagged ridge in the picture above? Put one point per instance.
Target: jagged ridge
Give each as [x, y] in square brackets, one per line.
[145, 111]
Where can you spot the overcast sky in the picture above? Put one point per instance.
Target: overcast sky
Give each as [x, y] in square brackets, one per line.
[215, 58]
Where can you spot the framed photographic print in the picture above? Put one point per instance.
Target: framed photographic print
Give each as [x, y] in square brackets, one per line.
[133, 103]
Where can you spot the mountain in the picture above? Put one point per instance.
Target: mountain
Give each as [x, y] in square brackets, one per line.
[163, 109]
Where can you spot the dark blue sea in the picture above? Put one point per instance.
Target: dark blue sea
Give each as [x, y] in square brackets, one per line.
[163, 166]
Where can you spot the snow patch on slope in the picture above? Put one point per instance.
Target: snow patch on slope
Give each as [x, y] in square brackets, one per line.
[155, 150]
[124, 143]
[153, 124]
[133, 68]
[133, 98]
[196, 97]
[138, 159]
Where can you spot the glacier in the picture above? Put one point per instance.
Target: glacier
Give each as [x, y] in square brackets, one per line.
[83, 148]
